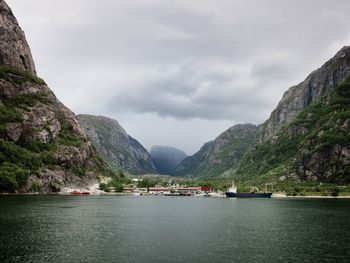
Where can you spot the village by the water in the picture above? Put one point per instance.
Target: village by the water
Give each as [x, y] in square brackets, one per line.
[136, 187]
[145, 186]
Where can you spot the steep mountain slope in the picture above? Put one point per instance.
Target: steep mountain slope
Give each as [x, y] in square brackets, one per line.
[220, 155]
[42, 146]
[318, 84]
[313, 144]
[166, 158]
[116, 146]
[14, 49]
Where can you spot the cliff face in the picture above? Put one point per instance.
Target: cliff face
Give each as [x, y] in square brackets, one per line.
[221, 155]
[116, 146]
[14, 50]
[307, 137]
[42, 146]
[166, 158]
[318, 84]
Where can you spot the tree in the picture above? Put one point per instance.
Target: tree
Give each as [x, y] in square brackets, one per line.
[146, 183]
[121, 174]
[119, 188]
[335, 191]
[103, 186]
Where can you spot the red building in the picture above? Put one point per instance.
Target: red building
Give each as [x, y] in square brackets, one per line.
[206, 189]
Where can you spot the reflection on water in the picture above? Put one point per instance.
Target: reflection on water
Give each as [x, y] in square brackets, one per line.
[172, 229]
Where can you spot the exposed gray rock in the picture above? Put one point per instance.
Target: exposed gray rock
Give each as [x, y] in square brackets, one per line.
[318, 84]
[307, 137]
[14, 49]
[36, 124]
[116, 146]
[215, 158]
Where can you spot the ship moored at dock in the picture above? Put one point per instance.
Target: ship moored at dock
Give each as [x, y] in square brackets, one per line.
[232, 192]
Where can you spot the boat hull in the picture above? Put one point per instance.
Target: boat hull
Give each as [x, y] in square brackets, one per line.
[248, 195]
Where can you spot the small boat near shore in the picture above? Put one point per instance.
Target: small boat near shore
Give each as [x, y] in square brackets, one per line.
[232, 192]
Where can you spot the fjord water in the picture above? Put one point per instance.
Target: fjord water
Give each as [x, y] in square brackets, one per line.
[172, 229]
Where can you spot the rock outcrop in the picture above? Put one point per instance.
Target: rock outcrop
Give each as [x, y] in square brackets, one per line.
[166, 158]
[317, 85]
[116, 146]
[42, 146]
[307, 137]
[218, 157]
[14, 49]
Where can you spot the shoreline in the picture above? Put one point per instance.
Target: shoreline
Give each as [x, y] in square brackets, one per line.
[276, 196]
[313, 197]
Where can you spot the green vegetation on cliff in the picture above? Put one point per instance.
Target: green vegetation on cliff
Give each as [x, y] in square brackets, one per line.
[18, 76]
[219, 156]
[313, 147]
[27, 155]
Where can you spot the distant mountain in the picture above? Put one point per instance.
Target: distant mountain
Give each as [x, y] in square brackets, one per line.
[116, 146]
[221, 155]
[166, 158]
[307, 137]
[42, 146]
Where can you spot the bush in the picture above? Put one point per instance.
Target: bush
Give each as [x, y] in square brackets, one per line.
[146, 183]
[27, 100]
[21, 76]
[297, 189]
[119, 188]
[36, 187]
[121, 174]
[335, 191]
[15, 154]
[8, 115]
[103, 186]
[12, 177]
[79, 171]
[7, 182]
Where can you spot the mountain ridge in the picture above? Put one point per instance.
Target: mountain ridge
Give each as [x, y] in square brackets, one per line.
[316, 85]
[120, 149]
[297, 143]
[42, 146]
[220, 155]
[254, 165]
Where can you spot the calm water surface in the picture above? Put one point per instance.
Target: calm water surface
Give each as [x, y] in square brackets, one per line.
[172, 229]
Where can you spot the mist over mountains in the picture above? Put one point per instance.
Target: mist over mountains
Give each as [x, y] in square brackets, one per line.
[166, 158]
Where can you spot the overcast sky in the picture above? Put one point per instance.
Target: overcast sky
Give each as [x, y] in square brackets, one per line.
[180, 72]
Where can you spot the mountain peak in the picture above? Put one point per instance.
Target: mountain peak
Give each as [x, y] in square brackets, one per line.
[319, 83]
[43, 148]
[14, 49]
[216, 157]
[116, 146]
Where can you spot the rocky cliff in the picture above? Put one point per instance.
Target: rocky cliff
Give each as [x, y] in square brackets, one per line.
[14, 50]
[319, 83]
[221, 155]
[42, 146]
[166, 158]
[307, 137]
[116, 146]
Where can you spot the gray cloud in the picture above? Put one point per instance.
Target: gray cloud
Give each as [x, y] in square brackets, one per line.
[191, 92]
[224, 61]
